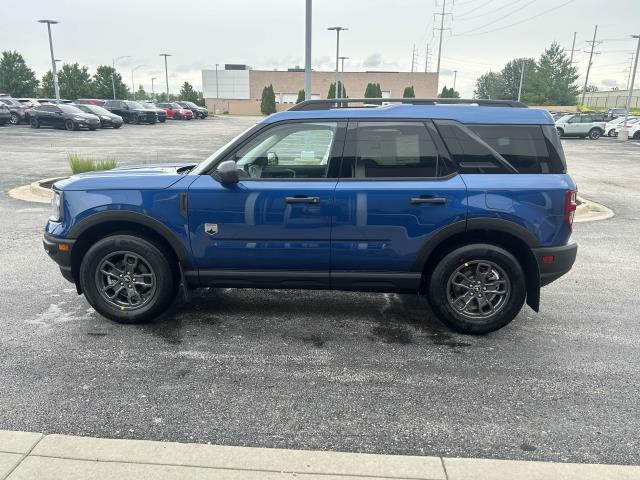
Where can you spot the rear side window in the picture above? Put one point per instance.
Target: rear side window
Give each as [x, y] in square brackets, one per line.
[523, 146]
[396, 150]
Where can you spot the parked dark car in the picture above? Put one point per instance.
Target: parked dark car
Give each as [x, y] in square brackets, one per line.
[198, 111]
[5, 114]
[132, 112]
[107, 119]
[44, 101]
[91, 101]
[18, 111]
[62, 116]
[162, 115]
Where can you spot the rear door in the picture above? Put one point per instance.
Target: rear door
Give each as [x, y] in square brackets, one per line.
[397, 188]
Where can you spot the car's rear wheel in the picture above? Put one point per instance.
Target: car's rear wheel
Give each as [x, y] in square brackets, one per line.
[636, 135]
[93, 129]
[560, 131]
[69, 125]
[134, 120]
[128, 279]
[595, 133]
[162, 120]
[176, 116]
[14, 119]
[34, 123]
[117, 125]
[477, 288]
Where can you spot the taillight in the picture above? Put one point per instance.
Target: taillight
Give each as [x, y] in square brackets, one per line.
[570, 205]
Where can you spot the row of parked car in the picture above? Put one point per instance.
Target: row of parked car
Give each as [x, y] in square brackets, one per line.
[595, 125]
[93, 113]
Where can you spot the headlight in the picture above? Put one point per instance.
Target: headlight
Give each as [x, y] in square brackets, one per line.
[104, 117]
[56, 206]
[78, 119]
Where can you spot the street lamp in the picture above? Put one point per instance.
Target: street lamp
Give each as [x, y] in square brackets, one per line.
[166, 72]
[113, 73]
[153, 95]
[337, 30]
[455, 76]
[217, 92]
[133, 87]
[54, 68]
[342, 59]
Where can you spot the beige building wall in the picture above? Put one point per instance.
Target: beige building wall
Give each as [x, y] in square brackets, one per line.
[392, 85]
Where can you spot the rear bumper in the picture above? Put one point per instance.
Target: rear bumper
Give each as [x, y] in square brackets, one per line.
[61, 257]
[553, 262]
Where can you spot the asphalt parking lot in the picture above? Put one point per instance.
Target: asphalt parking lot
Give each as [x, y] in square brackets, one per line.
[324, 370]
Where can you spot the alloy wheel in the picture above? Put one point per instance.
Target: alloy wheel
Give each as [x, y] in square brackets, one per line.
[478, 289]
[125, 280]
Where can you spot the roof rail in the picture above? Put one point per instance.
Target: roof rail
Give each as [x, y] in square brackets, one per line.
[328, 104]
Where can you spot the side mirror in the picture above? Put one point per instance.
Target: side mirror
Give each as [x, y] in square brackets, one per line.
[227, 173]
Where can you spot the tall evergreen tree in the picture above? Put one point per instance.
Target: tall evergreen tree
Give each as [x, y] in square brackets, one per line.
[332, 90]
[555, 77]
[75, 82]
[16, 78]
[102, 83]
[448, 93]
[46, 89]
[300, 96]
[188, 93]
[510, 78]
[409, 92]
[141, 94]
[268, 101]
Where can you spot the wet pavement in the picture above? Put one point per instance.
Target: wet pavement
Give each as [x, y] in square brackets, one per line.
[324, 370]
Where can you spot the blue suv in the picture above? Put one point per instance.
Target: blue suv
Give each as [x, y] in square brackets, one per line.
[466, 202]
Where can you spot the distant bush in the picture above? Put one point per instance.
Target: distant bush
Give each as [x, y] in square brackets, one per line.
[80, 163]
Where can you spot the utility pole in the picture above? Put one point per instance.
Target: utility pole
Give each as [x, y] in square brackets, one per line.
[442, 15]
[153, 93]
[337, 30]
[624, 131]
[586, 80]
[54, 68]
[342, 89]
[573, 47]
[113, 73]
[521, 79]
[630, 68]
[166, 72]
[307, 52]
[217, 91]
[413, 58]
[426, 60]
[455, 76]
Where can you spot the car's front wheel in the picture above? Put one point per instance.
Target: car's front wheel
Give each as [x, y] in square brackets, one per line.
[477, 288]
[636, 136]
[560, 131]
[34, 123]
[69, 125]
[15, 119]
[128, 279]
[134, 120]
[595, 133]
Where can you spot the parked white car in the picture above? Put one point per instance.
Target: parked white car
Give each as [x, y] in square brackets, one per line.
[610, 127]
[631, 124]
[634, 129]
[581, 125]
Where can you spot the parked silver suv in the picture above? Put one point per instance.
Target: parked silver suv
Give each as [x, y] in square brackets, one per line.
[581, 125]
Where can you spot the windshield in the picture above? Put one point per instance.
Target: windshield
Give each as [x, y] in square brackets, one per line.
[176, 105]
[215, 156]
[190, 104]
[93, 109]
[69, 109]
[133, 104]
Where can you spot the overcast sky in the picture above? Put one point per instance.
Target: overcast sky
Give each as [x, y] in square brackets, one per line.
[269, 34]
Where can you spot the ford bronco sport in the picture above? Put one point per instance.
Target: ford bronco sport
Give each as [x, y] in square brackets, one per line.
[466, 202]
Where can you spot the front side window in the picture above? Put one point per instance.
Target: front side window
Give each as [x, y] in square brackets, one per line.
[296, 150]
[395, 150]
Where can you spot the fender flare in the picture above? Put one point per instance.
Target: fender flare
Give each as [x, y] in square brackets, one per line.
[134, 217]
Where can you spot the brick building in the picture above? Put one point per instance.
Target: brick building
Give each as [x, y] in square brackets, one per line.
[237, 89]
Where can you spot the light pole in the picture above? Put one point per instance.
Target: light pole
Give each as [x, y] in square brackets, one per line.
[307, 52]
[217, 91]
[521, 80]
[337, 30]
[133, 87]
[113, 83]
[455, 76]
[166, 72]
[624, 131]
[54, 68]
[342, 59]
[153, 94]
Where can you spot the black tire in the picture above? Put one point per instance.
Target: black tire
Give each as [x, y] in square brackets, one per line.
[560, 132]
[160, 294]
[176, 116]
[152, 122]
[14, 119]
[162, 120]
[93, 129]
[503, 266]
[69, 125]
[134, 120]
[610, 133]
[636, 135]
[34, 122]
[118, 125]
[595, 133]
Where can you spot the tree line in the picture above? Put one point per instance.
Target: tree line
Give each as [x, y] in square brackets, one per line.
[75, 81]
[548, 81]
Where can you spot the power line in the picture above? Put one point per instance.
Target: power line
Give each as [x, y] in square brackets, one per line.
[525, 19]
[490, 12]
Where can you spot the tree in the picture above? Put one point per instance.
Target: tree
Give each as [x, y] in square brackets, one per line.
[46, 89]
[75, 81]
[489, 86]
[268, 101]
[409, 92]
[449, 93]
[102, 83]
[16, 78]
[141, 94]
[300, 96]
[187, 93]
[554, 79]
[510, 79]
[373, 91]
[332, 90]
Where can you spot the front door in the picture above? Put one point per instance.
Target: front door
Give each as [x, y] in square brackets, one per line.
[398, 191]
[274, 226]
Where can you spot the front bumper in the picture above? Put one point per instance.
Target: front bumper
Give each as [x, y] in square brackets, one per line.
[553, 262]
[52, 245]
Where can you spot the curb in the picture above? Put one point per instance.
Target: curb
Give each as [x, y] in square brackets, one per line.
[34, 192]
[25, 456]
[589, 211]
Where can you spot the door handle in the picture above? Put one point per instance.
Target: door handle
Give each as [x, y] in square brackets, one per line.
[312, 200]
[430, 200]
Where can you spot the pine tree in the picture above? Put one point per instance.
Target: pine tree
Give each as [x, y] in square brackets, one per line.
[332, 90]
[268, 101]
[102, 83]
[409, 92]
[16, 78]
[300, 96]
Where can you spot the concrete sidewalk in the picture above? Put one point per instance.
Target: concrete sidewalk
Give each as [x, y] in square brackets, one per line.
[29, 456]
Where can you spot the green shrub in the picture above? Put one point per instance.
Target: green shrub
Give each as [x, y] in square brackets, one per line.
[80, 163]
